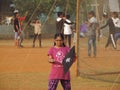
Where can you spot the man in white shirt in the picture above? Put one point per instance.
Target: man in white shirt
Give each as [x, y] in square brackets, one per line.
[68, 29]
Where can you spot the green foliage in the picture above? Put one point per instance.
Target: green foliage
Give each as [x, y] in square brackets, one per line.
[36, 7]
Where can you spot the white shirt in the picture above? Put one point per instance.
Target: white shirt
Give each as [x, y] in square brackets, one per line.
[37, 28]
[67, 28]
[93, 20]
[116, 22]
[58, 19]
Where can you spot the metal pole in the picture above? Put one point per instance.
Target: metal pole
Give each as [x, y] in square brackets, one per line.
[77, 34]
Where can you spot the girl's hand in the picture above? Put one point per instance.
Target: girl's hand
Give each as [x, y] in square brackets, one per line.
[51, 60]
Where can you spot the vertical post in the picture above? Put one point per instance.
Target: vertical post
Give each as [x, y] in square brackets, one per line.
[77, 32]
[66, 9]
[97, 11]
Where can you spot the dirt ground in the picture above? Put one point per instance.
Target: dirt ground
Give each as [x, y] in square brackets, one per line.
[28, 69]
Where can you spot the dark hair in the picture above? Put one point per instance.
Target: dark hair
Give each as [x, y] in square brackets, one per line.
[115, 13]
[59, 35]
[59, 14]
[15, 14]
[68, 16]
[92, 13]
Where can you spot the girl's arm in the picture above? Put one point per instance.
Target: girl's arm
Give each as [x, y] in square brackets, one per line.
[50, 59]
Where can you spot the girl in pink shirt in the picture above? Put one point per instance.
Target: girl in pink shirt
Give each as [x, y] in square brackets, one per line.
[56, 55]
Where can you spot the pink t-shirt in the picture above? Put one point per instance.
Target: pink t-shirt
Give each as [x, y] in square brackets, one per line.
[58, 55]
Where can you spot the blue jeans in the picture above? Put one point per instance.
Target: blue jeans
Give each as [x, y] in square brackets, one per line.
[92, 42]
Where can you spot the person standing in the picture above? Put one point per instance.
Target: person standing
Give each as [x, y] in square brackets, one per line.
[56, 55]
[16, 29]
[92, 27]
[110, 23]
[59, 22]
[21, 19]
[116, 22]
[37, 31]
[68, 30]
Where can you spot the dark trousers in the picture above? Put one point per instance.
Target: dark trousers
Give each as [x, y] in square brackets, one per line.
[111, 40]
[39, 38]
[68, 39]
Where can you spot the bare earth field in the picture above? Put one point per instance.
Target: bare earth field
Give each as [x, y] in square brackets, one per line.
[28, 69]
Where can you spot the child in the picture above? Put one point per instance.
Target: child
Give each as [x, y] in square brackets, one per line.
[37, 32]
[56, 55]
[93, 24]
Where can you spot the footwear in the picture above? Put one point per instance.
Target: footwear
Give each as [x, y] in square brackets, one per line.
[33, 45]
[21, 46]
[89, 55]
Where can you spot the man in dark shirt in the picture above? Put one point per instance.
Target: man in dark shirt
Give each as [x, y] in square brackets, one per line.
[61, 19]
[16, 28]
[111, 31]
[59, 22]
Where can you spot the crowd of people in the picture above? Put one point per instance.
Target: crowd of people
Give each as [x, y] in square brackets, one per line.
[62, 40]
[65, 26]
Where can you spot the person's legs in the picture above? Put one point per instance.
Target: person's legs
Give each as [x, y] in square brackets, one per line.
[16, 38]
[21, 38]
[74, 38]
[39, 38]
[53, 84]
[69, 40]
[113, 41]
[108, 42]
[117, 36]
[34, 39]
[89, 46]
[66, 84]
[65, 36]
[94, 46]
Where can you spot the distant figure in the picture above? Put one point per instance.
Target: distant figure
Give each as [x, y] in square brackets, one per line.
[37, 31]
[92, 27]
[21, 19]
[21, 32]
[8, 20]
[116, 22]
[59, 22]
[16, 29]
[68, 30]
[83, 30]
[110, 23]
